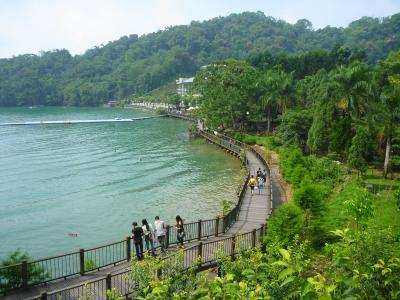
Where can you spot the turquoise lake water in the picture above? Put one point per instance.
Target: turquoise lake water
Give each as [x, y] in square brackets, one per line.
[95, 179]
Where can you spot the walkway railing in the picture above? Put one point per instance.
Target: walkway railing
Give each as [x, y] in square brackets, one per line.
[206, 254]
[80, 262]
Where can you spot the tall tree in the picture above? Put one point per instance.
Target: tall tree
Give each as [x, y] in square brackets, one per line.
[354, 88]
[389, 73]
[227, 91]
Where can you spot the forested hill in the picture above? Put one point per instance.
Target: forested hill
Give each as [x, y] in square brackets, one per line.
[136, 65]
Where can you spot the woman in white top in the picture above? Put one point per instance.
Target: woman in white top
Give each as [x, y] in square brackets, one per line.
[148, 234]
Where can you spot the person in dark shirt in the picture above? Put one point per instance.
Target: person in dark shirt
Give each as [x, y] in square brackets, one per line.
[137, 233]
[180, 231]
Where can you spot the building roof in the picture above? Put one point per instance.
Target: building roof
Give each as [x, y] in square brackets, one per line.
[182, 80]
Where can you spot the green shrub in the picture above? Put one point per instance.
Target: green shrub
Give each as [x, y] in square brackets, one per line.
[239, 136]
[12, 277]
[310, 198]
[250, 140]
[284, 225]
[90, 264]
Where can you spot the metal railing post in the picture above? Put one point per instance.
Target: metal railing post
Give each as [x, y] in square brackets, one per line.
[24, 273]
[262, 231]
[199, 231]
[108, 282]
[216, 226]
[167, 237]
[128, 248]
[200, 251]
[81, 262]
[233, 243]
[253, 241]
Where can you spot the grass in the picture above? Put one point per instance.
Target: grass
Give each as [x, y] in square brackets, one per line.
[386, 212]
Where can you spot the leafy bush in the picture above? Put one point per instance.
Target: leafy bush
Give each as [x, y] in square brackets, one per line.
[285, 224]
[11, 278]
[310, 198]
[292, 164]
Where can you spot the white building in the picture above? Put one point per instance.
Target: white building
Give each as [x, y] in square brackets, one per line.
[184, 85]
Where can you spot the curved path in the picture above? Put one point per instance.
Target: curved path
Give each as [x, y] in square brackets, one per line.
[254, 212]
[255, 208]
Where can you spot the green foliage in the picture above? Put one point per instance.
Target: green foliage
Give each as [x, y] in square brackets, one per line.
[293, 128]
[227, 91]
[295, 272]
[157, 278]
[90, 264]
[112, 295]
[360, 205]
[310, 198]
[295, 167]
[11, 277]
[286, 223]
[226, 206]
[397, 197]
[292, 164]
[359, 150]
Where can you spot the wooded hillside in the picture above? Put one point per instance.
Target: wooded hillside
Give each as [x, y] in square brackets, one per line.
[136, 65]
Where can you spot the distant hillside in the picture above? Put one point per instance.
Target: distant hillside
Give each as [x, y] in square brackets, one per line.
[136, 65]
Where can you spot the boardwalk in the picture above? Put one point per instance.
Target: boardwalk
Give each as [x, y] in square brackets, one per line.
[254, 212]
[255, 208]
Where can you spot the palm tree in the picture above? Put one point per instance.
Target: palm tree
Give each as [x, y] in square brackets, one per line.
[285, 90]
[277, 93]
[354, 88]
[268, 98]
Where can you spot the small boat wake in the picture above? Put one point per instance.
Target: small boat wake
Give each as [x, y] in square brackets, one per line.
[57, 122]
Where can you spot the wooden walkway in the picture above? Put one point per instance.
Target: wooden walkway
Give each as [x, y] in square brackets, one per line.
[255, 208]
[254, 212]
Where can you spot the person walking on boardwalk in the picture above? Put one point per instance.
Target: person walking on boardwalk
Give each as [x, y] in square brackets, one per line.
[180, 231]
[264, 176]
[252, 183]
[159, 229]
[260, 183]
[148, 233]
[137, 233]
[259, 173]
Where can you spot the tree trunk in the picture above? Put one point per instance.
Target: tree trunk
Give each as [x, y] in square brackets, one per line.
[269, 121]
[386, 164]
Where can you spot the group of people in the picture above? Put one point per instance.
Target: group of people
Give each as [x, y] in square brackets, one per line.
[259, 181]
[150, 235]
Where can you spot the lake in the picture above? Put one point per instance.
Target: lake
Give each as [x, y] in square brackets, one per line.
[95, 179]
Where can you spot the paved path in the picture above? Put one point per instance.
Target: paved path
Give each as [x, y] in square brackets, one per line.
[254, 211]
[255, 208]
